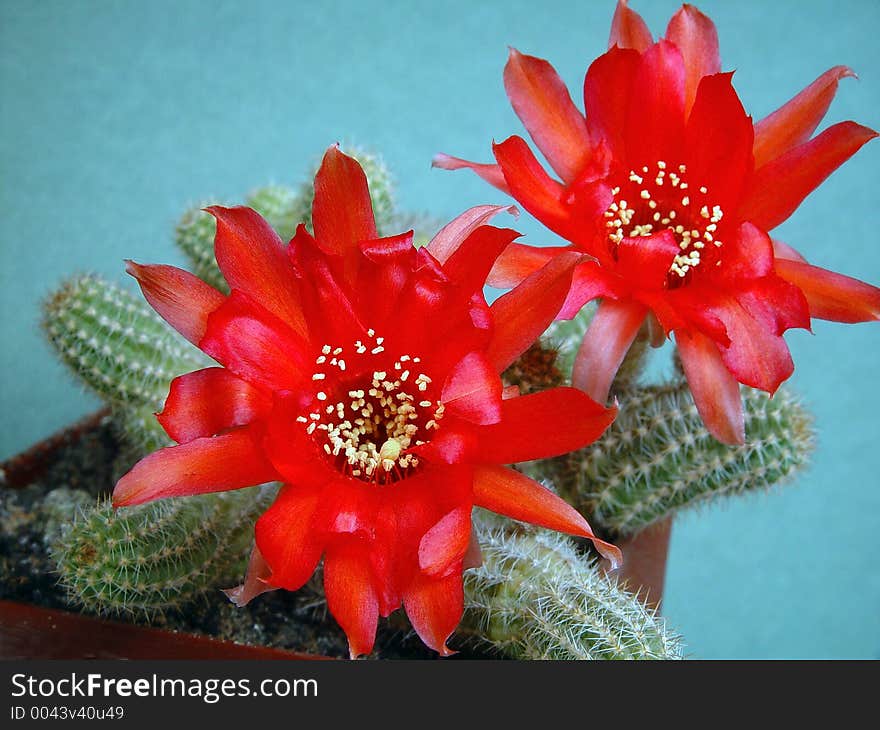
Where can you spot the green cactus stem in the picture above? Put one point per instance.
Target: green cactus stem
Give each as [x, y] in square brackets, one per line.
[658, 457]
[147, 560]
[115, 342]
[118, 346]
[278, 205]
[535, 597]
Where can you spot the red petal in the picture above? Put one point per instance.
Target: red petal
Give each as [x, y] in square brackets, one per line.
[251, 256]
[342, 212]
[530, 184]
[523, 314]
[490, 173]
[351, 597]
[349, 508]
[830, 295]
[290, 538]
[448, 447]
[590, 280]
[783, 251]
[473, 390]
[776, 303]
[469, 266]
[443, 547]
[749, 256]
[608, 95]
[218, 464]
[541, 100]
[454, 233]
[719, 136]
[628, 30]
[382, 275]
[434, 607]
[697, 39]
[181, 299]
[322, 292]
[518, 261]
[255, 578]
[255, 345]
[297, 457]
[209, 401]
[473, 557]
[794, 122]
[540, 425]
[605, 344]
[655, 119]
[511, 493]
[778, 187]
[715, 390]
[645, 260]
[757, 355]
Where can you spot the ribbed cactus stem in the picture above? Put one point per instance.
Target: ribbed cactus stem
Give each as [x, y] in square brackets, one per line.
[118, 346]
[535, 597]
[565, 336]
[115, 342]
[658, 457]
[159, 557]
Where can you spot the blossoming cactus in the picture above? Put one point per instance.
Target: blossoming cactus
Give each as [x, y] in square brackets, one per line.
[372, 379]
[554, 620]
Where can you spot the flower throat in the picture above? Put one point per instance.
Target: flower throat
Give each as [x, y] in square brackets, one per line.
[371, 409]
[658, 199]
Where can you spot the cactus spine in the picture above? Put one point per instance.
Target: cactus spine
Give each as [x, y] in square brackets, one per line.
[146, 560]
[658, 457]
[535, 597]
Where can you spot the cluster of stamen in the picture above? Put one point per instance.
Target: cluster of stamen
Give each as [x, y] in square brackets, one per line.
[666, 202]
[367, 418]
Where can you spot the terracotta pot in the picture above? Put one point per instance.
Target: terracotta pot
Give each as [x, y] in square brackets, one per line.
[644, 561]
[33, 632]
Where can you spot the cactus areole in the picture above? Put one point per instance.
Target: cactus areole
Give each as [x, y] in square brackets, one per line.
[364, 375]
[671, 190]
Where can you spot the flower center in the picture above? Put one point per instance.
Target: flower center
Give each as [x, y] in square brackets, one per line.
[658, 199]
[371, 409]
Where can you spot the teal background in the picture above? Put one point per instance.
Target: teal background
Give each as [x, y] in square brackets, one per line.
[116, 115]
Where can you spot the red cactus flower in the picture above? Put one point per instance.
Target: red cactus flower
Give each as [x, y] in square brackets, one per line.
[670, 189]
[364, 374]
